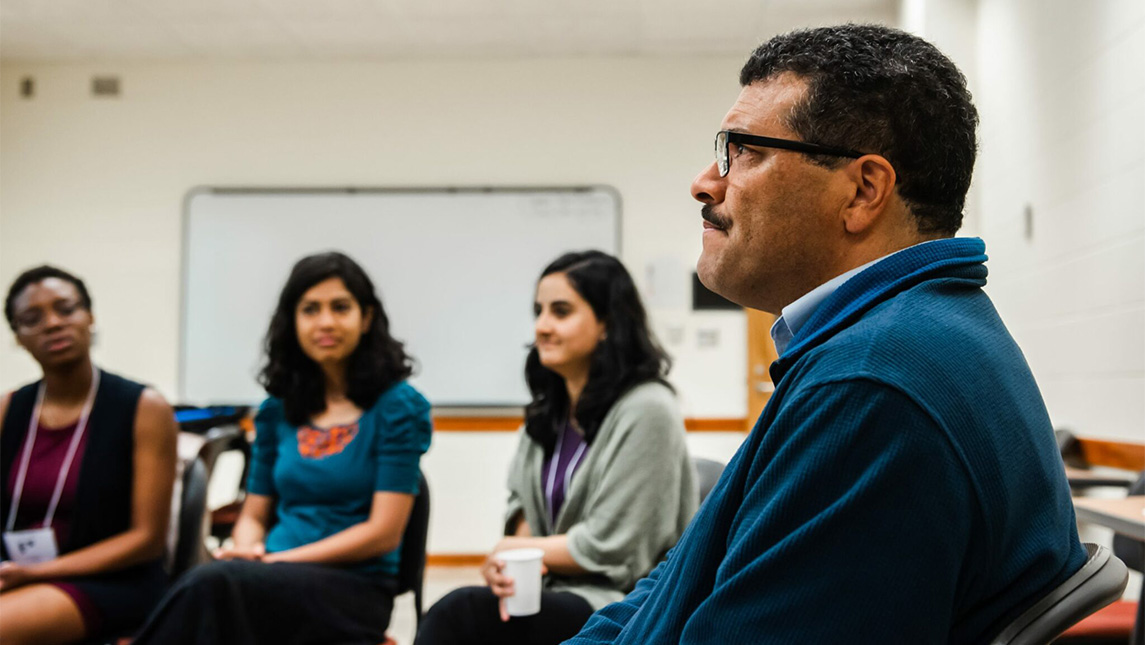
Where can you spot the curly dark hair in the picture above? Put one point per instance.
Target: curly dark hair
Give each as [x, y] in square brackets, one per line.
[378, 361]
[880, 90]
[39, 274]
[627, 356]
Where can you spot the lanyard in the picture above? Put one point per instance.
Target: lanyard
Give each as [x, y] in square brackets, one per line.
[569, 470]
[81, 425]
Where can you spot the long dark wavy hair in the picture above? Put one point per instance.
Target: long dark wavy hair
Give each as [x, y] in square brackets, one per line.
[627, 356]
[378, 361]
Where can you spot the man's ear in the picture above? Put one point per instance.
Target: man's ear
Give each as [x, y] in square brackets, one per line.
[873, 180]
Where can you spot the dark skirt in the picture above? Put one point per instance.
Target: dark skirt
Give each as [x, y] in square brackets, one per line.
[238, 601]
[117, 602]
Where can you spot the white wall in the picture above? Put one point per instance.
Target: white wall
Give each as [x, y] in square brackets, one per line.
[96, 185]
[952, 26]
[1062, 100]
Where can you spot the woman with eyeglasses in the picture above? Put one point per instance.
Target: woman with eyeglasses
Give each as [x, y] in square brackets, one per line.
[334, 471]
[601, 482]
[88, 463]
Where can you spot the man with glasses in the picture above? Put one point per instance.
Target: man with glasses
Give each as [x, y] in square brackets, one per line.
[902, 485]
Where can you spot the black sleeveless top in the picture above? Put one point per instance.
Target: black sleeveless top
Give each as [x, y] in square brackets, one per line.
[103, 496]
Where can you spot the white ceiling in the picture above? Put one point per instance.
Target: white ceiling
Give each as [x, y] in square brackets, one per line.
[188, 30]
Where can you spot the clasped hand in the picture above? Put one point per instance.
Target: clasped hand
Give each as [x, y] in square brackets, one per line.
[255, 553]
[13, 575]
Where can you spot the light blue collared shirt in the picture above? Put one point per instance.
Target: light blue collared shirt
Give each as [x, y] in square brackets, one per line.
[796, 314]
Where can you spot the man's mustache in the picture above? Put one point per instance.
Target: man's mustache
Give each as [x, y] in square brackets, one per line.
[709, 214]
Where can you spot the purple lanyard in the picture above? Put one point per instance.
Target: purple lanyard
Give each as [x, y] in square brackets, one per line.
[81, 425]
[554, 466]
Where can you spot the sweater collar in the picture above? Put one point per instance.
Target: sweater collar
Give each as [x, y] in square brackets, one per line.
[796, 314]
[961, 258]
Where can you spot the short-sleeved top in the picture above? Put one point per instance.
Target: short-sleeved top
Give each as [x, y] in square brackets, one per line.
[324, 479]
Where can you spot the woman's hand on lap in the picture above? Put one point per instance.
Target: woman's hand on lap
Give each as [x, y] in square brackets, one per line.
[253, 553]
[13, 575]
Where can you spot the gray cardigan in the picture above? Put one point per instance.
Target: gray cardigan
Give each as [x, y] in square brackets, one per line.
[627, 503]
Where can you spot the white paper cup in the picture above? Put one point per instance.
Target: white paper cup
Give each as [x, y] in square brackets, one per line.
[524, 567]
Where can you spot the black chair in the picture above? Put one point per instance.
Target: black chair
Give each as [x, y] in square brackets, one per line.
[709, 471]
[217, 440]
[411, 570]
[1121, 622]
[190, 545]
[1099, 582]
[219, 428]
[1132, 553]
[222, 439]
[190, 532]
[1070, 448]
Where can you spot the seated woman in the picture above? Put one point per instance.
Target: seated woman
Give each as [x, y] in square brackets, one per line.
[601, 481]
[89, 463]
[334, 472]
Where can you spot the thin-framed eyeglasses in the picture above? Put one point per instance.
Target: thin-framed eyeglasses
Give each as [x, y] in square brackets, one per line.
[34, 320]
[726, 137]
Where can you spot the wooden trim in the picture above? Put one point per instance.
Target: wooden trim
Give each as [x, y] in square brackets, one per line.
[477, 424]
[454, 559]
[715, 425]
[512, 424]
[1115, 454]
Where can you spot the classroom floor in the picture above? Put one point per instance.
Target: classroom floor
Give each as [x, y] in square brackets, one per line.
[438, 582]
[441, 580]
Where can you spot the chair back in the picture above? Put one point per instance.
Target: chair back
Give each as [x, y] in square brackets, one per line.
[1070, 448]
[708, 471]
[1129, 550]
[1099, 582]
[411, 570]
[190, 548]
[222, 439]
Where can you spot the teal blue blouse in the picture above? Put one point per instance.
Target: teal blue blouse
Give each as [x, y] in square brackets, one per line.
[323, 480]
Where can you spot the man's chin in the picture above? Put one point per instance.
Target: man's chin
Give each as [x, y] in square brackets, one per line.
[718, 282]
[706, 271]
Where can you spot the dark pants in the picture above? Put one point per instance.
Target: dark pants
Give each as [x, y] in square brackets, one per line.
[469, 616]
[251, 602]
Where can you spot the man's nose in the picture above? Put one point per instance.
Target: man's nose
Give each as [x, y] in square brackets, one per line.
[708, 187]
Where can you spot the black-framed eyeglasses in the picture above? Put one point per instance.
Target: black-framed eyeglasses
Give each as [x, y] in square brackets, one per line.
[725, 137]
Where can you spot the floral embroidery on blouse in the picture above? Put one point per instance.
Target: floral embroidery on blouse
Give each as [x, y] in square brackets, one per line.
[318, 443]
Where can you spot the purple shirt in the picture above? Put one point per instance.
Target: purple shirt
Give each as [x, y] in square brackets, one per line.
[558, 469]
[43, 474]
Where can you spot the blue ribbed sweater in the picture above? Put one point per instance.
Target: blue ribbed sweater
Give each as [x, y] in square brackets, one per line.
[901, 486]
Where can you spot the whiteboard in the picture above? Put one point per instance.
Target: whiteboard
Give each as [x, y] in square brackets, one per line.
[456, 270]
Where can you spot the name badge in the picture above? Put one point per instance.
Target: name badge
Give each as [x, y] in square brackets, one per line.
[31, 546]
